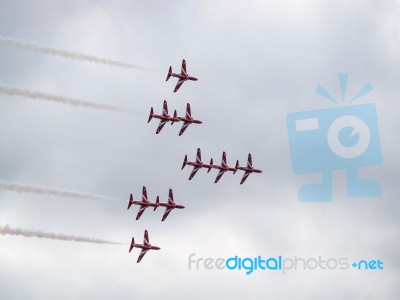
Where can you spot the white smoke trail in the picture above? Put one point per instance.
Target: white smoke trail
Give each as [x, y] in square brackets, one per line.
[13, 91]
[4, 230]
[28, 188]
[30, 46]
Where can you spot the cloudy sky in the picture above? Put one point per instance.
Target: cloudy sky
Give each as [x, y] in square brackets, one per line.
[256, 62]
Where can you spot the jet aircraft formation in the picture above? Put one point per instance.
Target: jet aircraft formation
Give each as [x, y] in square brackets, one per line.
[197, 164]
[165, 118]
[223, 167]
[145, 203]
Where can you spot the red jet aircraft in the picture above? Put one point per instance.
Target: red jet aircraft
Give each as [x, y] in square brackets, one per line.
[170, 205]
[223, 168]
[248, 169]
[183, 76]
[164, 118]
[187, 120]
[146, 246]
[197, 164]
[143, 204]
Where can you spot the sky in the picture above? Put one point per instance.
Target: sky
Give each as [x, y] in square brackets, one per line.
[257, 61]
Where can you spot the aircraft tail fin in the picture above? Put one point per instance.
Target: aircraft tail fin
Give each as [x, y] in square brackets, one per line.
[169, 73]
[184, 162]
[130, 201]
[150, 115]
[157, 203]
[211, 164]
[237, 164]
[132, 244]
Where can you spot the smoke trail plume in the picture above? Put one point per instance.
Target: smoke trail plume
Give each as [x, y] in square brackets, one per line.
[13, 91]
[53, 236]
[66, 54]
[28, 188]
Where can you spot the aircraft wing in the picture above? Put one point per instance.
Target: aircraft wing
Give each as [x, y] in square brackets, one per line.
[166, 213]
[249, 161]
[171, 197]
[188, 111]
[140, 212]
[245, 177]
[184, 126]
[144, 194]
[224, 159]
[161, 125]
[165, 109]
[198, 155]
[183, 69]
[146, 238]
[142, 253]
[178, 85]
[195, 169]
[221, 172]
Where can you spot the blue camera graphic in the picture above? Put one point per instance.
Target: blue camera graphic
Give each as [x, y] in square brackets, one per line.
[344, 137]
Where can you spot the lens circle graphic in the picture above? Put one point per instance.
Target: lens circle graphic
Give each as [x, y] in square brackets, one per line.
[359, 127]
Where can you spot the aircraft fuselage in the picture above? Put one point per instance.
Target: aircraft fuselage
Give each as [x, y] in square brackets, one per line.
[142, 203]
[199, 165]
[165, 118]
[251, 170]
[184, 77]
[222, 168]
[167, 205]
[149, 247]
[190, 120]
